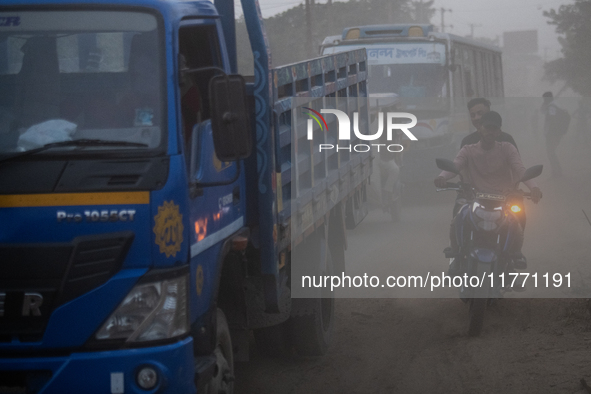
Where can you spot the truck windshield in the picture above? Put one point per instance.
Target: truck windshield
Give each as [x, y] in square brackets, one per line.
[80, 75]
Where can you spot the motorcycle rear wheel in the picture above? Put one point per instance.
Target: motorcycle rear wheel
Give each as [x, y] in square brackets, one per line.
[476, 314]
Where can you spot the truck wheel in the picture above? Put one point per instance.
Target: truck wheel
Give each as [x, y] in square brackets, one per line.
[222, 381]
[312, 322]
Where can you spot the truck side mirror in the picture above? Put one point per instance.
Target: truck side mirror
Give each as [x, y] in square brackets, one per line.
[230, 124]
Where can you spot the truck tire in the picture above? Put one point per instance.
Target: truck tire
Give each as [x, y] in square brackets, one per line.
[311, 325]
[222, 381]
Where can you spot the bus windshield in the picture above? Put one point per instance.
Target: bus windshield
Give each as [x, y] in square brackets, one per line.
[80, 75]
[408, 80]
[413, 69]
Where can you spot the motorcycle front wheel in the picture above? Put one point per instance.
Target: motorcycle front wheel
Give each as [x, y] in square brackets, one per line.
[476, 314]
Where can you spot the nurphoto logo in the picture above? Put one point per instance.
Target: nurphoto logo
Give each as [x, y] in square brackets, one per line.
[344, 129]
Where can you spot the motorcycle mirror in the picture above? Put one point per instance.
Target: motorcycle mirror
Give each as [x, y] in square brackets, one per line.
[446, 165]
[531, 173]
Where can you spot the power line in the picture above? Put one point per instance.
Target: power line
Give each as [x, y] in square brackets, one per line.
[238, 7]
[504, 9]
[281, 5]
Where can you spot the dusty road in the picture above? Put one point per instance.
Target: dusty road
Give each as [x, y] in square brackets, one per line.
[420, 345]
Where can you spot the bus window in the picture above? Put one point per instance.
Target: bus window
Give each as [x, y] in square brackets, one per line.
[409, 80]
[490, 76]
[486, 74]
[498, 80]
[468, 82]
[457, 75]
[476, 74]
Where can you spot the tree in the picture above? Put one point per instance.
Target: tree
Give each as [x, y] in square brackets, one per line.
[572, 24]
[422, 11]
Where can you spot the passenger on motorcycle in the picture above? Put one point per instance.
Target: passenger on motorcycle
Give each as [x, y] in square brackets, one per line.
[490, 166]
[477, 107]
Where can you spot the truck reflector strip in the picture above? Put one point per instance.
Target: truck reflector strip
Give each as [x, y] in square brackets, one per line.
[216, 237]
[72, 199]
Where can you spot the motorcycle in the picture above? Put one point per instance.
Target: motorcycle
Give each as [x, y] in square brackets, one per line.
[486, 227]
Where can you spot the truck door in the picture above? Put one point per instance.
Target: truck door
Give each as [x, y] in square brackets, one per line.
[216, 211]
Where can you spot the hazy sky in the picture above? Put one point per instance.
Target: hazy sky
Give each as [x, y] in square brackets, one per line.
[490, 17]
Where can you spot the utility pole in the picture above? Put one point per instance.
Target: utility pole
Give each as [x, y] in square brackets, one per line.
[420, 12]
[443, 11]
[308, 28]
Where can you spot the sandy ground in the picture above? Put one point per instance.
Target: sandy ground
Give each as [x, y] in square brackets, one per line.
[420, 346]
[410, 345]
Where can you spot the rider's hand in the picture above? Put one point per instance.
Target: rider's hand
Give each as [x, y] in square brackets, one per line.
[440, 182]
[536, 194]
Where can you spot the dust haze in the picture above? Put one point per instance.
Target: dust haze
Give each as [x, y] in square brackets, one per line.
[385, 340]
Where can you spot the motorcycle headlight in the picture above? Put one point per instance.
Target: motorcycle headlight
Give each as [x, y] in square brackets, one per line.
[151, 311]
[489, 219]
[488, 215]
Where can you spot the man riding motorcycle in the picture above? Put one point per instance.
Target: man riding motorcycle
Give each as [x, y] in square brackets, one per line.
[477, 107]
[491, 167]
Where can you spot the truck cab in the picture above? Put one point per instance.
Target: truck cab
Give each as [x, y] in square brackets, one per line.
[105, 134]
[140, 240]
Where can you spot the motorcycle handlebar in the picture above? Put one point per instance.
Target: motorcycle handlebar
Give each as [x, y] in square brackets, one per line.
[521, 193]
[456, 189]
[459, 187]
[451, 186]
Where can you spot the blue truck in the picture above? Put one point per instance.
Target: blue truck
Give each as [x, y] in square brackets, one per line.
[151, 198]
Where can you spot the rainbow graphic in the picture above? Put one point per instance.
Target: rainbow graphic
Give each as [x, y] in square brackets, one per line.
[315, 115]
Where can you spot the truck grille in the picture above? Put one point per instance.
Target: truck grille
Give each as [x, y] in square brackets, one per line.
[37, 278]
[29, 382]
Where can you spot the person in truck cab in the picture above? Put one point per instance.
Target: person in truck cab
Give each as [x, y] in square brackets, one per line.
[190, 102]
[139, 105]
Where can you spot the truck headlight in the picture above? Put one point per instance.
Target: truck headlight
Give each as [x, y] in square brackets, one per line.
[151, 311]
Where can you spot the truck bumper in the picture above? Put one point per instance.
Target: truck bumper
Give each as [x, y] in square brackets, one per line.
[103, 372]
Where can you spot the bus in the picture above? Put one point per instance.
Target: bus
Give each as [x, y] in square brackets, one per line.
[429, 74]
